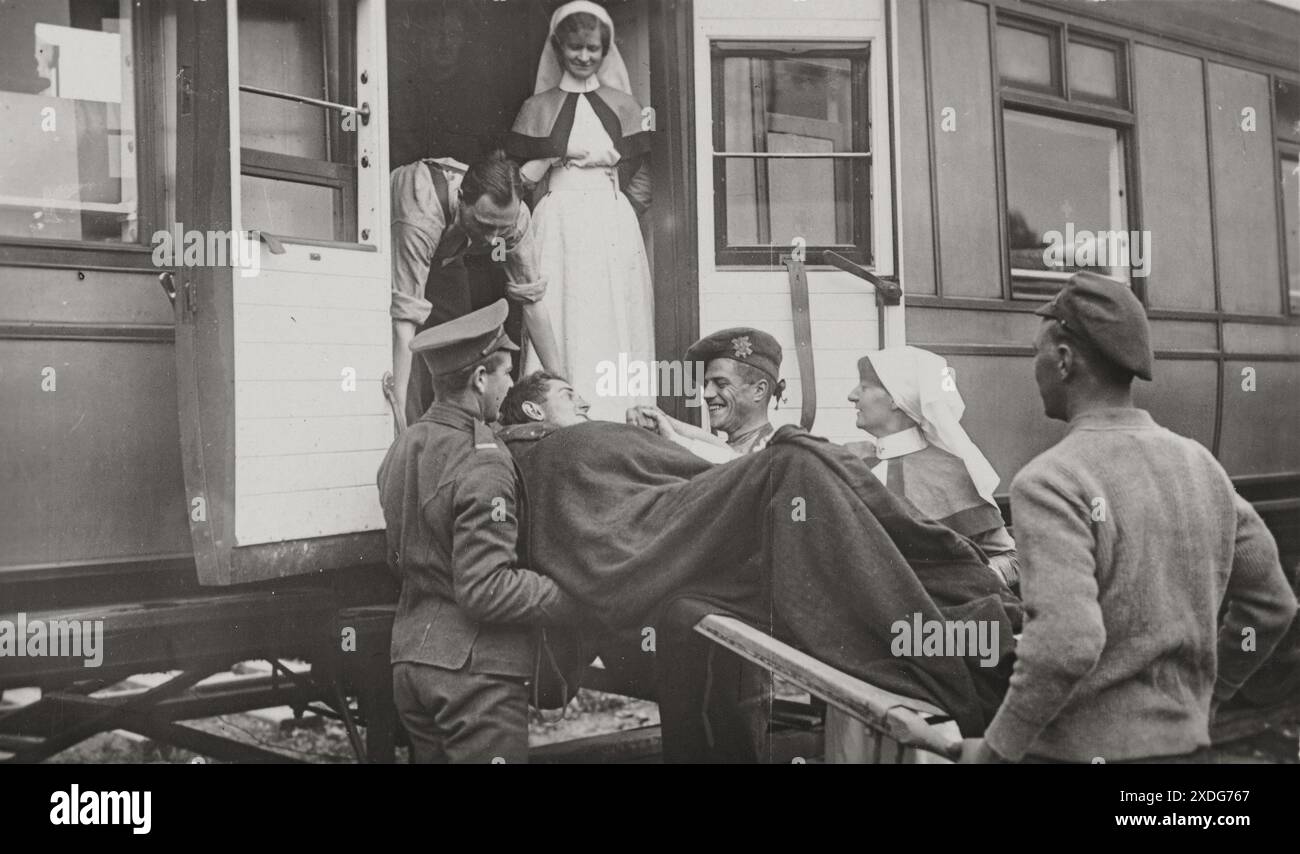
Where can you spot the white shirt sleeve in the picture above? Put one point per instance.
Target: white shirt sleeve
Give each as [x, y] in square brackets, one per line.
[707, 451]
[535, 170]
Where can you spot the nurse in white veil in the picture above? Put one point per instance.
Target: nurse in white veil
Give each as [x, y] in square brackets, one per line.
[583, 142]
[907, 400]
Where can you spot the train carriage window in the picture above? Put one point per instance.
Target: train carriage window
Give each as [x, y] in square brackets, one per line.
[1095, 73]
[1286, 97]
[1066, 207]
[1065, 135]
[67, 108]
[1289, 169]
[791, 159]
[1027, 56]
[298, 174]
[1286, 109]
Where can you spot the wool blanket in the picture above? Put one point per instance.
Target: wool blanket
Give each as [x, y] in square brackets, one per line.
[799, 536]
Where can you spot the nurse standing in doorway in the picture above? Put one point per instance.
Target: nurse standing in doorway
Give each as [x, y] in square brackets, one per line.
[582, 141]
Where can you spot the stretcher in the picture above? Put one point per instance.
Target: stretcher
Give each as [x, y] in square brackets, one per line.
[864, 724]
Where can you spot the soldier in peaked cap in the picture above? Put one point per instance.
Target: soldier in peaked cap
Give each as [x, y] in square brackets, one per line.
[1131, 539]
[464, 632]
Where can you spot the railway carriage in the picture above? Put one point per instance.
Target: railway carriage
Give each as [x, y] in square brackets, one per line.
[194, 270]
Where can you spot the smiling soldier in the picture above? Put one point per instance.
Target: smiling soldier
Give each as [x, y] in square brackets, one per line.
[741, 367]
[713, 705]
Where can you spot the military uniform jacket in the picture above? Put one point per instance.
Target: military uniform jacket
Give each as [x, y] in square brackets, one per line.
[450, 497]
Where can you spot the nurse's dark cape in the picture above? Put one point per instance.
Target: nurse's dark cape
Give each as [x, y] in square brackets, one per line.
[545, 121]
[938, 483]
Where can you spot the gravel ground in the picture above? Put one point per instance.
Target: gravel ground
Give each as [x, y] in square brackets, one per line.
[323, 740]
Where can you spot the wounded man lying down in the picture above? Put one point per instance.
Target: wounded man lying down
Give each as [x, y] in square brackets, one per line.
[800, 540]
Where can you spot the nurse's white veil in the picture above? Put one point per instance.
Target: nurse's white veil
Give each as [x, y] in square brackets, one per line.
[923, 386]
[612, 71]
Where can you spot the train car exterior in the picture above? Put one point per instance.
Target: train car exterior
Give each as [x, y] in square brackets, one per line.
[1179, 129]
[178, 422]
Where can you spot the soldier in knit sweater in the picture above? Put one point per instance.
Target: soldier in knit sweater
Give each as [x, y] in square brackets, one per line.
[1131, 539]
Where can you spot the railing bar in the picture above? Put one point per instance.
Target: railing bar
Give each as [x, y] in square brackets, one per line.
[796, 155]
[301, 99]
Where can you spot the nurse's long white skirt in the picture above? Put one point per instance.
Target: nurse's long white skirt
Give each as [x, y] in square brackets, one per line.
[598, 293]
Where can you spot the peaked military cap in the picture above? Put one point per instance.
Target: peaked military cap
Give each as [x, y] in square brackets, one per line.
[459, 343]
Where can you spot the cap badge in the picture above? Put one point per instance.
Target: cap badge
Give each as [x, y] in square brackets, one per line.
[741, 347]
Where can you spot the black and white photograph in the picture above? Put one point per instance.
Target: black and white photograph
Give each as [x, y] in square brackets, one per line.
[784, 382]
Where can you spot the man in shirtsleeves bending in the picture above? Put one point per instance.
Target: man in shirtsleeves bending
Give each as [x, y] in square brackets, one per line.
[462, 239]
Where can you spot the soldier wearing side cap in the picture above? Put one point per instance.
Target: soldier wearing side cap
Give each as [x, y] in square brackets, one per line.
[1131, 538]
[742, 369]
[464, 639]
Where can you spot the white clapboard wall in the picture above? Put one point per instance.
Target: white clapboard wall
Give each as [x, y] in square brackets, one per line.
[311, 420]
[843, 309]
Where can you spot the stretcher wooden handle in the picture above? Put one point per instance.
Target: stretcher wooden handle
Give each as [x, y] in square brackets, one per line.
[902, 718]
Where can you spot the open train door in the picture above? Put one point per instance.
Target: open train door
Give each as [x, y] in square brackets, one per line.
[279, 278]
[794, 138]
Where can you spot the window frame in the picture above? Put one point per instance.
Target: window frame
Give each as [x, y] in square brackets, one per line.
[1131, 34]
[1274, 80]
[1115, 114]
[1287, 151]
[767, 256]
[1058, 87]
[150, 141]
[1123, 133]
[339, 170]
[1123, 91]
[1283, 147]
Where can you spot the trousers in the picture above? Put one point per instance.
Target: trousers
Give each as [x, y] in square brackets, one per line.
[454, 716]
[714, 707]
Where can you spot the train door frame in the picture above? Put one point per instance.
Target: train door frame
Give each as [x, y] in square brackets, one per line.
[675, 224]
[880, 320]
[206, 341]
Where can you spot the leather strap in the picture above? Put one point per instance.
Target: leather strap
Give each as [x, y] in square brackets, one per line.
[440, 189]
[802, 339]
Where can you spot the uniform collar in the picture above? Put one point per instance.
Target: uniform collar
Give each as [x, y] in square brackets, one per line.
[1112, 418]
[900, 444]
[569, 83]
[530, 431]
[754, 440]
[452, 415]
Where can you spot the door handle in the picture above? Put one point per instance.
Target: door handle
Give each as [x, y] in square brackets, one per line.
[168, 282]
